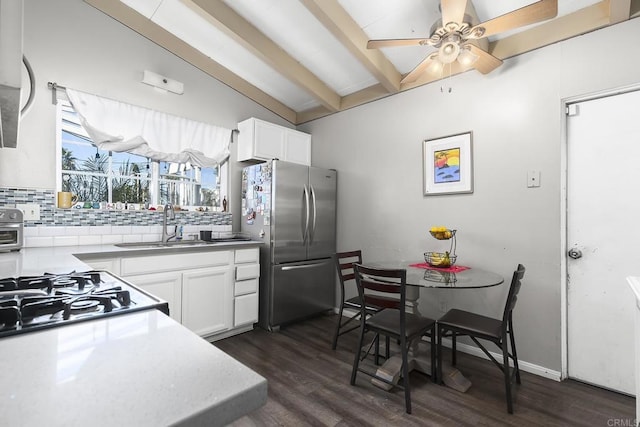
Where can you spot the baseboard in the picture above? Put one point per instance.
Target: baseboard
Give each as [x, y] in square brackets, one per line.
[524, 366]
[475, 351]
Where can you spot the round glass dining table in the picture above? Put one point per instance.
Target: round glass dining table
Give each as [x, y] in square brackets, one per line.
[420, 276]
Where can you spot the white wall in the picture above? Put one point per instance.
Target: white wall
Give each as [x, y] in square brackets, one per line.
[75, 45]
[517, 123]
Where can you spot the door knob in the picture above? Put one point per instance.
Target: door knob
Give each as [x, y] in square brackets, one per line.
[575, 253]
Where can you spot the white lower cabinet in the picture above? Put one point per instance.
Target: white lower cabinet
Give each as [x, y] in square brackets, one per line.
[206, 296]
[245, 289]
[166, 286]
[245, 309]
[213, 293]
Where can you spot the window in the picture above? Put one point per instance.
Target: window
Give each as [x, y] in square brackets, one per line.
[95, 175]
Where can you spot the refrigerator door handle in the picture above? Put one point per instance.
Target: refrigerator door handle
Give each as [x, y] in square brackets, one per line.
[301, 266]
[305, 225]
[312, 232]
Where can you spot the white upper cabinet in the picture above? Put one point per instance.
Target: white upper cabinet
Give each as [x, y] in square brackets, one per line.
[260, 140]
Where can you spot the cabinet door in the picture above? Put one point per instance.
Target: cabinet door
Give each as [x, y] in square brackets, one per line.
[111, 265]
[245, 309]
[269, 141]
[297, 147]
[207, 300]
[166, 286]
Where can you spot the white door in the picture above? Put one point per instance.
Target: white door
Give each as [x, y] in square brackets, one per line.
[603, 238]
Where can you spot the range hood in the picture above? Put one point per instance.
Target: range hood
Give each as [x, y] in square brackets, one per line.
[11, 23]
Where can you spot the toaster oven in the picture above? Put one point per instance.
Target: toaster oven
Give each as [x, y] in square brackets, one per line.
[11, 229]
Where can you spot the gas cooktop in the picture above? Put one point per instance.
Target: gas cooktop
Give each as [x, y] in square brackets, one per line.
[31, 303]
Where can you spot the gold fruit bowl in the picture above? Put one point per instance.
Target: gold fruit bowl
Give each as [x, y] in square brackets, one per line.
[439, 259]
[443, 235]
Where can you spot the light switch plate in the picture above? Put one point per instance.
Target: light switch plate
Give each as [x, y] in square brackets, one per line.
[533, 178]
[31, 211]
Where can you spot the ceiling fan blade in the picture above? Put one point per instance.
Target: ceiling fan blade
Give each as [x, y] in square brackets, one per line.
[377, 44]
[452, 11]
[486, 62]
[418, 70]
[536, 12]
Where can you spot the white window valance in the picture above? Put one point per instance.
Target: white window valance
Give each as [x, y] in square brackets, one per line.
[117, 126]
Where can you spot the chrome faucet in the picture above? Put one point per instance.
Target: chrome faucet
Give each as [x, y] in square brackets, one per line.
[167, 212]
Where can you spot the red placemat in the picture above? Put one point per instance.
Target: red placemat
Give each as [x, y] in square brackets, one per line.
[452, 269]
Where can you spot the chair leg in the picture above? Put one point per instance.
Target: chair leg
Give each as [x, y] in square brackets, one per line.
[439, 354]
[453, 349]
[377, 352]
[515, 354]
[387, 348]
[405, 376]
[434, 372]
[337, 333]
[507, 375]
[356, 360]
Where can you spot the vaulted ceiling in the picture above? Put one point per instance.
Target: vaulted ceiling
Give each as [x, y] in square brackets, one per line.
[305, 59]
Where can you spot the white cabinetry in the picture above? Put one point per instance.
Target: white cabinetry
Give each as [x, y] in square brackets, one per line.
[206, 297]
[111, 265]
[260, 140]
[245, 290]
[197, 286]
[214, 293]
[166, 286]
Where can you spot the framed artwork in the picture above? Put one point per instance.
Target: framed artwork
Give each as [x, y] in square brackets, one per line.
[448, 165]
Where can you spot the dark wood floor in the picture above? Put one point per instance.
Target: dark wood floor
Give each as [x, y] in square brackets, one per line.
[309, 386]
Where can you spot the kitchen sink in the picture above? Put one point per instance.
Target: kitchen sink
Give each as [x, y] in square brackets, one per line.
[169, 244]
[183, 243]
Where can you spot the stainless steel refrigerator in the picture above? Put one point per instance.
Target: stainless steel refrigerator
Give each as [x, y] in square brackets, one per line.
[292, 208]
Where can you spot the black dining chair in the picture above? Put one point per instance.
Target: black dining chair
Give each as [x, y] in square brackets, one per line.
[344, 264]
[500, 332]
[387, 288]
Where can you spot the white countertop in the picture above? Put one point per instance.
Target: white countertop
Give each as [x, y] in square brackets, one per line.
[62, 259]
[136, 369]
[139, 369]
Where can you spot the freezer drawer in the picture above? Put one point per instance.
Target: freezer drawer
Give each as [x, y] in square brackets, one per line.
[301, 290]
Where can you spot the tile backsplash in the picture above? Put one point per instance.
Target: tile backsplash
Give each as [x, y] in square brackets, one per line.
[67, 227]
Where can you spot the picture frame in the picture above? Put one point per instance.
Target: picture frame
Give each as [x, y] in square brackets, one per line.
[448, 164]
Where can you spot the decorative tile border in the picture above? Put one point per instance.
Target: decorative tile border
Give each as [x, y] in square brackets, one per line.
[52, 216]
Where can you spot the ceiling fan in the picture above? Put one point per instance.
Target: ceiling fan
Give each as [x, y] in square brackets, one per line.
[462, 41]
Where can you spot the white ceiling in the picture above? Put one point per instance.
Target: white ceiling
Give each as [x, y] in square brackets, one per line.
[304, 59]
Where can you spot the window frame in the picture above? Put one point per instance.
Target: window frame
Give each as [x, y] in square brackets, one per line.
[155, 178]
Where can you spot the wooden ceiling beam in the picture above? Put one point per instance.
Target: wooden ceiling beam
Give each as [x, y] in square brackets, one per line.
[335, 19]
[252, 39]
[619, 11]
[635, 9]
[146, 28]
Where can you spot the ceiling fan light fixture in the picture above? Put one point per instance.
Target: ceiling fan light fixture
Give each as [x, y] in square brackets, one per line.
[436, 67]
[466, 58]
[448, 52]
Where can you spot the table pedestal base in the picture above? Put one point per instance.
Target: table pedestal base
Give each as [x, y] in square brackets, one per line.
[420, 360]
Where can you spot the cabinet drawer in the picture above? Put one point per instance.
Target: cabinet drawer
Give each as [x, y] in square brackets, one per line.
[247, 255]
[248, 271]
[171, 262]
[245, 309]
[246, 287]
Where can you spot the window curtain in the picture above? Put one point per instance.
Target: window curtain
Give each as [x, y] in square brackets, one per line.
[117, 126]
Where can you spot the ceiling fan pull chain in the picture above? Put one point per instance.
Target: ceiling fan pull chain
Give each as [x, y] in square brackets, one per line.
[448, 80]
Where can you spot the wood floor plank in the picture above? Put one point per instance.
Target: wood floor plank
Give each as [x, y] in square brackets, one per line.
[309, 386]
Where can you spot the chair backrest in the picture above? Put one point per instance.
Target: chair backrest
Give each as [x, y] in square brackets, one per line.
[512, 297]
[384, 288]
[344, 264]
